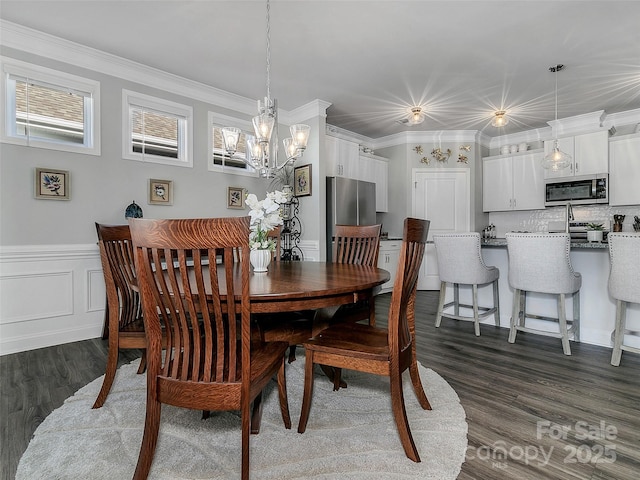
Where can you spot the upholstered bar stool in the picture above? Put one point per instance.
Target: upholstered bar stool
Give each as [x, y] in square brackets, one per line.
[460, 262]
[624, 286]
[539, 262]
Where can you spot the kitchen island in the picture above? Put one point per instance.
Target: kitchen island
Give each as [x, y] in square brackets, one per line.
[597, 308]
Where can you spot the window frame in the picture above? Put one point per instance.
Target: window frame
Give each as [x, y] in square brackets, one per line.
[53, 78]
[218, 120]
[184, 113]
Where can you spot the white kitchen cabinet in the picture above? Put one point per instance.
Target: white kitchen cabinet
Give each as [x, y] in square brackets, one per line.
[388, 259]
[624, 170]
[372, 169]
[589, 154]
[513, 183]
[342, 157]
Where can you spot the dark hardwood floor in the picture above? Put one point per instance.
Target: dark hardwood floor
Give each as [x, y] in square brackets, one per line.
[533, 413]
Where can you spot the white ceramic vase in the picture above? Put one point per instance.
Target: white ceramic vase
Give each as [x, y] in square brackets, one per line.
[594, 235]
[260, 260]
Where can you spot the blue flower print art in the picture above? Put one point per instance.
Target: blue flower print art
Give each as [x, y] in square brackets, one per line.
[52, 184]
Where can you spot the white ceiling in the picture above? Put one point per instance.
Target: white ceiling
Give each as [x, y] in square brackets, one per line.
[372, 60]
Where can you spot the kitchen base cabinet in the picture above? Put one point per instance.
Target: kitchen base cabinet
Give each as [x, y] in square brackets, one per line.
[388, 259]
[624, 170]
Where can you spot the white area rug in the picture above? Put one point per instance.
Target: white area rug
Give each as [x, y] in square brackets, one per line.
[351, 434]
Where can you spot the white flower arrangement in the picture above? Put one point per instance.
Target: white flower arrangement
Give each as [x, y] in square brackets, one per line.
[265, 216]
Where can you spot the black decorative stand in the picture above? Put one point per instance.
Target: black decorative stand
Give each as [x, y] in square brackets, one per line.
[291, 231]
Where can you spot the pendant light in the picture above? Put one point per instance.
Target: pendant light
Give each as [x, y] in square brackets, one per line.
[556, 159]
[262, 150]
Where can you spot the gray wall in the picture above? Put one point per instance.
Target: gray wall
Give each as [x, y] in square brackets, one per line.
[102, 186]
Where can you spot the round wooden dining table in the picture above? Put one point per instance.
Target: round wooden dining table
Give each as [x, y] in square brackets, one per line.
[291, 286]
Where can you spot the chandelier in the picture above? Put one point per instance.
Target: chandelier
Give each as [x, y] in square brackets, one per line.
[262, 150]
[556, 159]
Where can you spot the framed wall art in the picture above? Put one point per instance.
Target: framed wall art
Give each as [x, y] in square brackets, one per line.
[302, 181]
[51, 184]
[235, 197]
[160, 192]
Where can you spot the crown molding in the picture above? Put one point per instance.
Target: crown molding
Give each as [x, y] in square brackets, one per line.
[55, 48]
[313, 109]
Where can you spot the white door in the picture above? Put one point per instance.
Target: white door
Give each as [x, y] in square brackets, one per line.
[442, 197]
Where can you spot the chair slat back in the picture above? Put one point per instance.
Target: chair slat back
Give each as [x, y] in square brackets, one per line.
[118, 266]
[414, 241]
[357, 244]
[197, 303]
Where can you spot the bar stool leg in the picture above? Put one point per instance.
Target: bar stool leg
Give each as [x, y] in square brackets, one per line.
[562, 320]
[621, 313]
[576, 316]
[443, 291]
[496, 303]
[476, 320]
[456, 299]
[514, 316]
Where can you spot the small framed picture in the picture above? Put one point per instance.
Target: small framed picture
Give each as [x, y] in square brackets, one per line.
[52, 184]
[160, 192]
[302, 181]
[235, 197]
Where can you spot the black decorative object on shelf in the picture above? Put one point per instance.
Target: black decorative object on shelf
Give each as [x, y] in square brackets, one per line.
[133, 211]
[291, 232]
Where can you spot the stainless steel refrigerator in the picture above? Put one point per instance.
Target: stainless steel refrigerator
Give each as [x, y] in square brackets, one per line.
[349, 202]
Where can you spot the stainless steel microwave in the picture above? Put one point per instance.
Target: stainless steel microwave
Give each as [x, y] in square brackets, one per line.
[579, 190]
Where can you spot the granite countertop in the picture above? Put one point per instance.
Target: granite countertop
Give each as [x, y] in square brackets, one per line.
[502, 242]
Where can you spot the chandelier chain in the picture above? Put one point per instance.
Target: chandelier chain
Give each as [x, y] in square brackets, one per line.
[268, 50]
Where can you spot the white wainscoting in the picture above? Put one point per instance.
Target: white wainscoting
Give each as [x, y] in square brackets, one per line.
[55, 294]
[49, 295]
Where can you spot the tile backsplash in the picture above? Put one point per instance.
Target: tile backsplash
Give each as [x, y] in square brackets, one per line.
[539, 220]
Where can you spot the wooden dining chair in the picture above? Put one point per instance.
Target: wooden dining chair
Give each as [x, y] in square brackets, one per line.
[210, 363]
[379, 351]
[123, 310]
[359, 245]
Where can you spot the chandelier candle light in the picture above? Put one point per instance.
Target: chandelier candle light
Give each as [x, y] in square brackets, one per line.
[556, 159]
[262, 150]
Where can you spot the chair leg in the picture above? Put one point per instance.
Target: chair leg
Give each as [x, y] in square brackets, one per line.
[417, 385]
[621, 313]
[110, 371]
[282, 396]
[337, 378]
[562, 320]
[246, 427]
[496, 303]
[308, 391]
[400, 415]
[515, 314]
[523, 308]
[476, 320]
[256, 414]
[443, 291]
[292, 354]
[143, 362]
[149, 440]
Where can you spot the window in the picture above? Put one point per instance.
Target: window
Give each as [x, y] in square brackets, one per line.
[219, 159]
[50, 109]
[156, 130]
